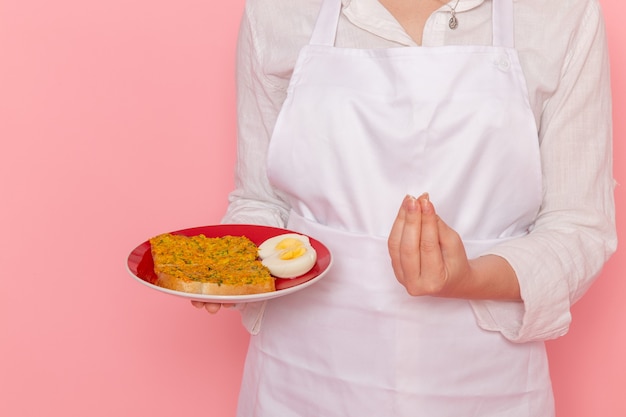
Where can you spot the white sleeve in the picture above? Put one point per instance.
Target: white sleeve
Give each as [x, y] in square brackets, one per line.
[253, 200]
[574, 233]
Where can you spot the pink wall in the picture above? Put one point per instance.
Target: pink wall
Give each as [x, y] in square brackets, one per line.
[117, 122]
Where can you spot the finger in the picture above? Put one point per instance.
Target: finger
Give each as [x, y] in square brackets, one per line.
[212, 308]
[394, 240]
[432, 265]
[409, 253]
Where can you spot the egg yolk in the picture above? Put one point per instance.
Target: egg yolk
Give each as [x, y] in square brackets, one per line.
[290, 248]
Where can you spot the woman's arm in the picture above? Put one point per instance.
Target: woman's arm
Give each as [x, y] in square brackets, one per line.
[258, 102]
[253, 201]
[549, 269]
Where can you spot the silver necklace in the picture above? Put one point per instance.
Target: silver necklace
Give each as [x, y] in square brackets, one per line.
[453, 23]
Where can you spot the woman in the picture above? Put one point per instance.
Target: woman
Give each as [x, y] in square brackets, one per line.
[497, 114]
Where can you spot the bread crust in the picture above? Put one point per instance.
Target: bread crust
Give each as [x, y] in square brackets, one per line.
[212, 288]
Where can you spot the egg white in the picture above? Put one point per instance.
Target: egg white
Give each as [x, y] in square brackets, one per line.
[287, 268]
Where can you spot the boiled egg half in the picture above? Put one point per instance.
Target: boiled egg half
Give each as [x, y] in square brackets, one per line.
[288, 255]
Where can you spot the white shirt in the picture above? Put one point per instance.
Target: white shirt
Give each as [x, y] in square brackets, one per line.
[564, 55]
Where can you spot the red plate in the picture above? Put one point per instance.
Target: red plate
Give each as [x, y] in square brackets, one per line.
[141, 266]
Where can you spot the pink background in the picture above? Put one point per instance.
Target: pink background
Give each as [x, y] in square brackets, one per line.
[117, 122]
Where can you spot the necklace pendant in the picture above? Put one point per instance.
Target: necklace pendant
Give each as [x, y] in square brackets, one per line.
[453, 23]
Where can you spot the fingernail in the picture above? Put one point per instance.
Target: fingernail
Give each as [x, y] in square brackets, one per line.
[425, 203]
[410, 203]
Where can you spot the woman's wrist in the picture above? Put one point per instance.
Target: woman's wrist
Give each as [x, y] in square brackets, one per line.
[491, 277]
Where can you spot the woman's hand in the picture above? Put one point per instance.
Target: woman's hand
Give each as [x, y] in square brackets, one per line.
[427, 256]
[212, 308]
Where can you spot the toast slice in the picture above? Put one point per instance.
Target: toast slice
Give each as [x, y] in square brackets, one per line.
[227, 265]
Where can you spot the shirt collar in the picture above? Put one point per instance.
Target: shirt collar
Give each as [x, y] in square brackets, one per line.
[373, 17]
